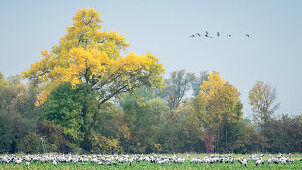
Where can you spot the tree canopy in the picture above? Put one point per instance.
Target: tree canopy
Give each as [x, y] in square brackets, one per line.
[86, 54]
[221, 100]
[263, 99]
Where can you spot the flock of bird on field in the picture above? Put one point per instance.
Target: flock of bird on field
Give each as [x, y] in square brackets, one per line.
[207, 35]
[112, 160]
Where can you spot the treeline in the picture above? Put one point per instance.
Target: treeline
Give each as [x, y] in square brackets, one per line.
[84, 96]
[144, 120]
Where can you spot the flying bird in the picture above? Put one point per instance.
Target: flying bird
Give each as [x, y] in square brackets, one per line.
[192, 36]
[207, 35]
[218, 34]
[247, 35]
[198, 34]
[229, 35]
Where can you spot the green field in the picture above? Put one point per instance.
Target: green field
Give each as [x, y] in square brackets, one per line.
[145, 165]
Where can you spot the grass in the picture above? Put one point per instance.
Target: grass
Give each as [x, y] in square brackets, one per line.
[145, 165]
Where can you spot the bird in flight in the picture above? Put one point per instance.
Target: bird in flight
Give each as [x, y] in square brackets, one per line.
[218, 34]
[207, 35]
[247, 35]
[192, 36]
[229, 35]
[198, 34]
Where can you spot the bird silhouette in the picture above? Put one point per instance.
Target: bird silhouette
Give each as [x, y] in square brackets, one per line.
[247, 35]
[218, 34]
[229, 35]
[192, 36]
[207, 35]
[198, 34]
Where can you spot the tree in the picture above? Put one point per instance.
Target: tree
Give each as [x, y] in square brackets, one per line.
[263, 99]
[196, 85]
[88, 55]
[14, 123]
[246, 138]
[284, 134]
[194, 112]
[143, 116]
[63, 108]
[223, 106]
[176, 87]
[91, 58]
[1, 76]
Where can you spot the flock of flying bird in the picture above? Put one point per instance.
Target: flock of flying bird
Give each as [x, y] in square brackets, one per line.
[207, 35]
[111, 160]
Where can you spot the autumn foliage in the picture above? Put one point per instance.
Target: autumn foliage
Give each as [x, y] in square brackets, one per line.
[86, 54]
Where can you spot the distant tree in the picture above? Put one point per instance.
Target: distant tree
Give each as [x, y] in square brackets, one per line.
[14, 79]
[14, 110]
[284, 134]
[263, 99]
[1, 76]
[223, 106]
[112, 131]
[196, 85]
[246, 138]
[176, 87]
[143, 113]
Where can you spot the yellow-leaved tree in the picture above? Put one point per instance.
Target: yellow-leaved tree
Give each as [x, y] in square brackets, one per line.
[91, 62]
[86, 54]
[223, 107]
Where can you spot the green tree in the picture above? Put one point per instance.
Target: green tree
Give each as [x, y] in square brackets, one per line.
[284, 134]
[246, 138]
[14, 110]
[63, 108]
[143, 115]
[111, 128]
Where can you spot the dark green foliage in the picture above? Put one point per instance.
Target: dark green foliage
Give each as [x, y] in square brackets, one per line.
[12, 129]
[63, 108]
[144, 118]
[75, 111]
[284, 135]
[55, 139]
[30, 143]
[17, 114]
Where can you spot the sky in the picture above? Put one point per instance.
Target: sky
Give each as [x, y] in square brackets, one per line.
[272, 53]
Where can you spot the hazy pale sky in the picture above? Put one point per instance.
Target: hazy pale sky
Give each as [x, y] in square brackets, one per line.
[272, 54]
